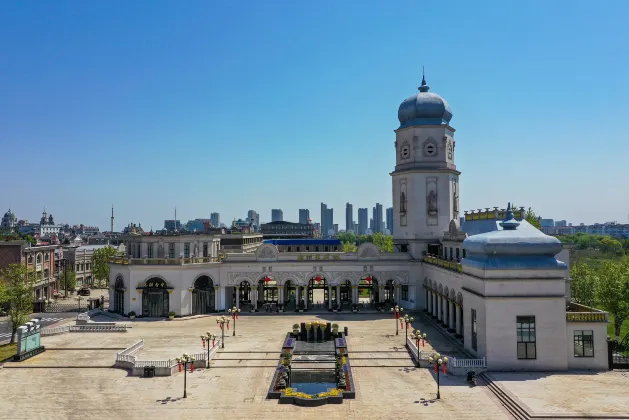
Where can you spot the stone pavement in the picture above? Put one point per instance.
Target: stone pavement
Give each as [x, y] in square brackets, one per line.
[575, 393]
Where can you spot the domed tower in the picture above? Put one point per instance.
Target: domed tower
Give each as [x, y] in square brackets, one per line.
[425, 179]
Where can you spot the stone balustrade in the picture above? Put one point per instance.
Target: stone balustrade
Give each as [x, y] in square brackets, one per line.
[163, 261]
[587, 317]
[449, 265]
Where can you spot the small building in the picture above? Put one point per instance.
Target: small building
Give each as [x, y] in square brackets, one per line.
[306, 245]
[39, 259]
[286, 230]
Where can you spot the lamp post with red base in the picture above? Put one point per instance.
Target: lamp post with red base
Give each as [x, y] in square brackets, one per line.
[184, 361]
[207, 338]
[438, 364]
[396, 315]
[407, 322]
[223, 323]
[234, 312]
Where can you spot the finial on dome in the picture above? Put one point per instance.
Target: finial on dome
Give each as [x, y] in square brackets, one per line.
[424, 87]
[509, 223]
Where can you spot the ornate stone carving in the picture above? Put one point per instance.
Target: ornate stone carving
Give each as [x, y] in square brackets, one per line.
[236, 278]
[455, 199]
[432, 203]
[368, 250]
[431, 197]
[267, 252]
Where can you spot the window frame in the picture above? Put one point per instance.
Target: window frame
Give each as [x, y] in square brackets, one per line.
[528, 343]
[404, 292]
[579, 340]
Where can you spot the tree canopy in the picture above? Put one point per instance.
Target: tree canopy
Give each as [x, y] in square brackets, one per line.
[100, 266]
[16, 291]
[382, 241]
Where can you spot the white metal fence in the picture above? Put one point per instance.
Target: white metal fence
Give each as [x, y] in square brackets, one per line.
[455, 365]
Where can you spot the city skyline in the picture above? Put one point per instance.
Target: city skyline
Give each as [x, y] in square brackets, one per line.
[142, 96]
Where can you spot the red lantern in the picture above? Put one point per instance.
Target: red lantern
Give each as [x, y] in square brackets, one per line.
[220, 325]
[444, 368]
[417, 343]
[423, 343]
[179, 364]
[318, 279]
[191, 367]
[436, 367]
[236, 315]
[368, 279]
[212, 342]
[203, 341]
[267, 279]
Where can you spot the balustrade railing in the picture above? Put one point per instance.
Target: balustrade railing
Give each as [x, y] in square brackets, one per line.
[467, 363]
[163, 261]
[587, 316]
[450, 265]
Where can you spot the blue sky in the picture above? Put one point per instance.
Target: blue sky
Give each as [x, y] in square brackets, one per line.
[237, 105]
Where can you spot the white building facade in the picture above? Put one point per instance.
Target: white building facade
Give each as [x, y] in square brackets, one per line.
[494, 284]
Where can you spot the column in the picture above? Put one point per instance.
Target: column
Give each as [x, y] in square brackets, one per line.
[434, 304]
[426, 303]
[338, 296]
[452, 323]
[397, 293]
[254, 298]
[439, 307]
[459, 327]
[306, 297]
[217, 291]
[237, 297]
[280, 295]
[446, 310]
[330, 297]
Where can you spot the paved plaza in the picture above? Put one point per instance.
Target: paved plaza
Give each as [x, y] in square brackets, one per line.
[74, 378]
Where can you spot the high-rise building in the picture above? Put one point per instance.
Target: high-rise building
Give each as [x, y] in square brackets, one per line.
[304, 215]
[363, 221]
[277, 215]
[253, 217]
[324, 212]
[390, 220]
[377, 218]
[172, 225]
[349, 217]
[329, 221]
[216, 219]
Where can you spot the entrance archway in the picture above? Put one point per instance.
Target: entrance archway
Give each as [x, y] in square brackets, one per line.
[389, 292]
[318, 293]
[290, 296]
[119, 295]
[368, 293]
[268, 293]
[155, 298]
[346, 294]
[203, 296]
[244, 295]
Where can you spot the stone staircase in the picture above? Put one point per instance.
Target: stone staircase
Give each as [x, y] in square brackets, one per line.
[512, 406]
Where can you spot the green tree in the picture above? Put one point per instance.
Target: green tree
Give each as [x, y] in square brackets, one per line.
[349, 247]
[347, 237]
[17, 294]
[610, 245]
[70, 277]
[583, 283]
[613, 290]
[383, 242]
[29, 239]
[100, 266]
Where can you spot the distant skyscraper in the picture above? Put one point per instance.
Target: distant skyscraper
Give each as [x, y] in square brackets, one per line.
[253, 217]
[329, 220]
[390, 220]
[216, 219]
[349, 217]
[324, 212]
[363, 221]
[371, 226]
[304, 215]
[377, 218]
[277, 215]
[172, 225]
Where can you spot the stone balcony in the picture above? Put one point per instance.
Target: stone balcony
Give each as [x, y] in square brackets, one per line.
[441, 262]
[575, 312]
[163, 261]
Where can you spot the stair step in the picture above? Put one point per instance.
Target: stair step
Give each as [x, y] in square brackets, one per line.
[511, 406]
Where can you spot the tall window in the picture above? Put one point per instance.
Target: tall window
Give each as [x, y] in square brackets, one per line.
[186, 250]
[149, 250]
[583, 343]
[405, 292]
[474, 331]
[171, 250]
[526, 337]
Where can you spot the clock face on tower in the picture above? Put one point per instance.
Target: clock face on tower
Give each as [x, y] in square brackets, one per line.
[405, 152]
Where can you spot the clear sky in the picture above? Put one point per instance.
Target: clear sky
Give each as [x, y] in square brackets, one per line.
[237, 105]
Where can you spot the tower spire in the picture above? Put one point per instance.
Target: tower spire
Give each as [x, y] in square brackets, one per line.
[112, 218]
[424, 87]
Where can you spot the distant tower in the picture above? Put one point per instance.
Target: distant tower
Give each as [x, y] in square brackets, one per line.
[112, 218]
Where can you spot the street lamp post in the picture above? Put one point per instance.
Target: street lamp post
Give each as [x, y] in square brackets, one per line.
[234, 313]
[407, 321]
[206, 339]
[222, 322]
[185, 360]
[417, 335]
[396, 315]
[438, 362]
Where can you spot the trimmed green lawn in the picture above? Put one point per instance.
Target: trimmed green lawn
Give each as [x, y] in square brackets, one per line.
[624, 330]
[7, 351]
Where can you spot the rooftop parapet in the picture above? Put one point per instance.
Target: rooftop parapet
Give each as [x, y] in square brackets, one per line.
[495, 214]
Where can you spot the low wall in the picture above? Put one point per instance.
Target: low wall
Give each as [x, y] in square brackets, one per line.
[95, 327]
[126, 359]
[455, 366]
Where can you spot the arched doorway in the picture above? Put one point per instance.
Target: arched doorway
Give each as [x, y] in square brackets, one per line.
[119, 295]
[268, 293]
[368, 293]
[203, 296]
[318, 292]
[290, 296]
[155, 298]
[346, 294]
[389, 292]
[244, 295]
